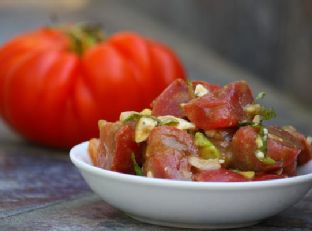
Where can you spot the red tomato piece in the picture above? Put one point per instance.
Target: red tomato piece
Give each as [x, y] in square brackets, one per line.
[167, 153]
[220, 175]
[291, 169]
[306, 154]
[279, 149]
[306, 148]
[221, 108]
[284, 146]
[116, 146]
[169, 101]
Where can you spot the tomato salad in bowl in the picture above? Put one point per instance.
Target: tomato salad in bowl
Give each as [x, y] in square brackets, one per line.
[197, 131]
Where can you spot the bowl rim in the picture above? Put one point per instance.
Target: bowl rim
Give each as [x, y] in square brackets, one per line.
[142, 180]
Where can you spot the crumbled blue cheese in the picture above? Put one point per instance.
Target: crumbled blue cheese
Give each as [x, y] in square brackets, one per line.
[259, 142]
[128, 115]
[131, 115]
[203, 164]
[149, 174]
[247, 174]
[200, 90]
[176, 122]
[101, 123]
[143, 128]
[146, 112]
[252, 108]
[260, 155]
[257, 119]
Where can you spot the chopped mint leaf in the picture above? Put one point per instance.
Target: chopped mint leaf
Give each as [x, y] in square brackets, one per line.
[268, 113]
[137, 168]
[207, 150]
[260, 95]
[268, 160]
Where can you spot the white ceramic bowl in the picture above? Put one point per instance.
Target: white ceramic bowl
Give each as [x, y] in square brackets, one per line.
[192, 204]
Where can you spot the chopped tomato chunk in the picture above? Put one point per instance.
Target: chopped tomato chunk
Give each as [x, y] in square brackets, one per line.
[116, 146]
[220, 175]
[244, 149]
[170, 100]
[306, 146]
[167, 153]
[221, 108]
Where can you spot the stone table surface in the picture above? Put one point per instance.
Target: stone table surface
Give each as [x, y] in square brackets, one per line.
[41, 190]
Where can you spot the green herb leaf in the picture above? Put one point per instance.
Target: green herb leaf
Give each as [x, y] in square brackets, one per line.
[268, 113]
[207, 150]
[137, 168]
[249, 175]
[264, 138]
[168, 120]
[262, 146]
[268, 160]
[260, 95]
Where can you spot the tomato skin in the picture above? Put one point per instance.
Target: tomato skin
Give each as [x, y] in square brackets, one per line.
[53, 96]
[244, 147]
[220, 175]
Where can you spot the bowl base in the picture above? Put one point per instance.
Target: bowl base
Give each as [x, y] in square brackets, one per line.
[192, 226]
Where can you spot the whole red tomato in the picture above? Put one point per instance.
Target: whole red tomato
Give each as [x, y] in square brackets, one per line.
[56, 83]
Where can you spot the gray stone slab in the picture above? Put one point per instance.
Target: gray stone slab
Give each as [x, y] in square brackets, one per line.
[36, 177]
[87, 213]
[91, 213]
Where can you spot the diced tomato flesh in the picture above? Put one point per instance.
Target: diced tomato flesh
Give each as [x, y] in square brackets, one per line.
[167, 151]
[306, 148]
[170, 100]
[116, 147]
[221, 108]
[220, 175]
[125, 146]
[244, 158]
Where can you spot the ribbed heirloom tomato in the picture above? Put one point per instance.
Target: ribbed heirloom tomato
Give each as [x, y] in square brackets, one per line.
[55, 83]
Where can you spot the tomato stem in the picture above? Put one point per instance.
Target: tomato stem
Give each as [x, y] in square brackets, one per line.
[83, 37]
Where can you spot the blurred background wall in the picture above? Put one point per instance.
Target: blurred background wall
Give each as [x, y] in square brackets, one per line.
[270, 38]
